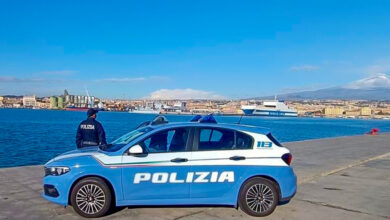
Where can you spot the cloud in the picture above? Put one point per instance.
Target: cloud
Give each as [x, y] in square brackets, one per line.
[59, 72]
[183, 94]
[121, 80]
[31, 85]
[35, 82]
[131, 79]
[379, 80]
[305, 68]
[12, 79]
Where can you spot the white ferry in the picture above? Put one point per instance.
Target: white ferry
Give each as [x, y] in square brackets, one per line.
[273, 108]
[145, 110]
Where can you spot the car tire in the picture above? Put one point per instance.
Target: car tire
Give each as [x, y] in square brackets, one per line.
[258, 197]
[91, 197]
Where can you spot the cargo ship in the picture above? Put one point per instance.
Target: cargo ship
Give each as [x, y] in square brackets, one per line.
[82, 109]
[272, 108]
[79, 103]
[76, 109]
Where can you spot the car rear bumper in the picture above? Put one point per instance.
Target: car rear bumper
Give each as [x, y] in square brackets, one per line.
[288, 186]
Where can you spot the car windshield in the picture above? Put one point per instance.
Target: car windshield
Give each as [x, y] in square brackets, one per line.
[127, 138]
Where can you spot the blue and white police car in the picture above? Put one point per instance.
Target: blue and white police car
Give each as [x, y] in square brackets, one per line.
[201, 162]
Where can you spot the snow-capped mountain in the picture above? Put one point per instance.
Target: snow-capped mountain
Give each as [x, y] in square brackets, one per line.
[376, 87]
[380, 80]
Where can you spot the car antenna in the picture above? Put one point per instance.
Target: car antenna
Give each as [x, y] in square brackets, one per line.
[239, 122]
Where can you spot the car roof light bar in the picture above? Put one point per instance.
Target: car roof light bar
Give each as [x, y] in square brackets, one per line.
[159, 119]
[208, 119]
[143, 124]
[196, 118]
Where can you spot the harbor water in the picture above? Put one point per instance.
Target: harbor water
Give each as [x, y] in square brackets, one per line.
[32, 137]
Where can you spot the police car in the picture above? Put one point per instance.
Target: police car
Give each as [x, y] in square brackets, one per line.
[201, 162]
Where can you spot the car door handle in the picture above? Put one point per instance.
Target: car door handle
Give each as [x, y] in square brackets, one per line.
[179, 160]
[237, 158]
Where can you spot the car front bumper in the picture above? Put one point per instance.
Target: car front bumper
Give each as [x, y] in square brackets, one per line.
[56, 189]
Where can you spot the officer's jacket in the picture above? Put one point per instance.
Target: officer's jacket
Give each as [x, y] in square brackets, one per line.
[89, 133]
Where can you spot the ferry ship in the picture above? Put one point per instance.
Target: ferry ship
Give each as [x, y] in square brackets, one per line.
[273, 108]
[145, 110]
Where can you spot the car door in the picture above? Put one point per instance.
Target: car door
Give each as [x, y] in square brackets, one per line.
[158, 175]
[219, 157]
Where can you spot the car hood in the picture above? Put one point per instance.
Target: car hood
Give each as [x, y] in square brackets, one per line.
[82, 150]
[87, 151]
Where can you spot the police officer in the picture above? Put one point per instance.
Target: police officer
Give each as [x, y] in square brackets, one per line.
[90, 132]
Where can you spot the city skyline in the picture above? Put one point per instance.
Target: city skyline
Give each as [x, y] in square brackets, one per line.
[375, 87]
[214, 49]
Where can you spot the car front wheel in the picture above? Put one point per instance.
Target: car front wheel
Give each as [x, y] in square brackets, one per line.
[91, 197]
[258, 197]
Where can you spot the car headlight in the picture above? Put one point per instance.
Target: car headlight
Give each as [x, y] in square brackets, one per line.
[56, 171]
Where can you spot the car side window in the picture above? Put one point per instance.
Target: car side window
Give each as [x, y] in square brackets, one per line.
[205, 135]
[215, 139]
[223, 139]
[216, 136]
[173, 140]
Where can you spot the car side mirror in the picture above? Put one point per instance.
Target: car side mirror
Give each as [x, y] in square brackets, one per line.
[136, 150]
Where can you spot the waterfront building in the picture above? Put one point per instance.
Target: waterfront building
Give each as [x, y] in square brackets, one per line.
[43, 105]
[366, 111]
[352, 113]
[333, 111]
[384, 111]
[53, 102]
[29, 101]
[12, 102]
[204, 111]
[60, 102]
[228, 109]
[301, 112]
[16, 105]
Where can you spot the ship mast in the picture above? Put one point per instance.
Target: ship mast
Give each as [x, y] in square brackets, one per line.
[89, 98]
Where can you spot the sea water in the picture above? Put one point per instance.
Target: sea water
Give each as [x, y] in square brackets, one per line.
[31, 137]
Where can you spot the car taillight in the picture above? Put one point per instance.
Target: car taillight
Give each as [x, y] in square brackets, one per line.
[287, 158]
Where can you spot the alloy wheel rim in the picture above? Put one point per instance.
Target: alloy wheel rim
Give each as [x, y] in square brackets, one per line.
[259, 198]
[90, 199]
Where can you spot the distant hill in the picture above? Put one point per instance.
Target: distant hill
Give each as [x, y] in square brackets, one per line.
[337, 93]
[373, 88]
[13, 96]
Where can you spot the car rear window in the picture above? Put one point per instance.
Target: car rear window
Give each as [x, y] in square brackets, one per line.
[273, 139]
[243, 141]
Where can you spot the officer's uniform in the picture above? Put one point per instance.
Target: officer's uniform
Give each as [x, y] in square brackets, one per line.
[90, 132]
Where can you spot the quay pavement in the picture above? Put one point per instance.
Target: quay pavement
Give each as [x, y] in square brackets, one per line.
[339, 178]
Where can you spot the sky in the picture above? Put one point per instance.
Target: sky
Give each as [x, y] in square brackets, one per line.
[190, 49]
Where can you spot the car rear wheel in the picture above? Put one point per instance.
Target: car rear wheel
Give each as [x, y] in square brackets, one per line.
[91, 197]
[258, 197]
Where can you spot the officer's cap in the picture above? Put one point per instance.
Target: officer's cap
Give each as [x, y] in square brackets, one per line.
[91, 112]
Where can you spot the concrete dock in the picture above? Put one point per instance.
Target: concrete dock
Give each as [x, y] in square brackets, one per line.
[339, 178]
